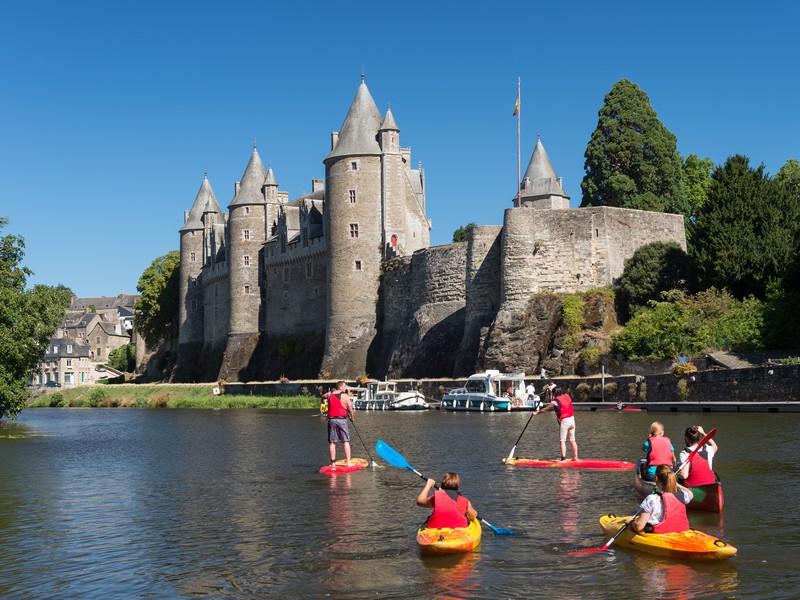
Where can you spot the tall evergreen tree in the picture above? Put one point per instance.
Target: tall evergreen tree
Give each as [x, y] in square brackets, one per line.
[157, 308]
[745, 234]
[632, 160]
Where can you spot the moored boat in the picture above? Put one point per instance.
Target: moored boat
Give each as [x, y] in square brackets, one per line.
[383, 395]
[705, 498]
[685, 545]
[449, 540]
[491, 391]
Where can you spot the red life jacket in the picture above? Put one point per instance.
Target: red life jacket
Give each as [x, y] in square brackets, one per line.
[660, 451]
[564, 408]
[675, 519]
[335, 406]
[448, 512]
[700, 471]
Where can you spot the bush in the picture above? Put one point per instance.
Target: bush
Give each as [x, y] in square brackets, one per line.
[611, 388]
[55, 399]
[683, 390]
[573, 307]
[582, 391]
[590, 357]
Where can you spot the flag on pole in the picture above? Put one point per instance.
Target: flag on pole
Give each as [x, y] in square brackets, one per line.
[516, 108]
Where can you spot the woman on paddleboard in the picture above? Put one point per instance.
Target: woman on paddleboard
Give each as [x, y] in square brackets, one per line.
[699, 470]
[562, 405]
[665, 510]
[450, 508]
[340, 409]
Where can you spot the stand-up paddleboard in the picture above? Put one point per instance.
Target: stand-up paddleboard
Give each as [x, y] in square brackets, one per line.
[584, 463]
[356, 464]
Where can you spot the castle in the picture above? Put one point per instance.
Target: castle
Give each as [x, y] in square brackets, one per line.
[342, 281]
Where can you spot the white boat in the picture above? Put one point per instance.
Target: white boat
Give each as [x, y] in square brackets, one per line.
[491, 391]
[383, 395]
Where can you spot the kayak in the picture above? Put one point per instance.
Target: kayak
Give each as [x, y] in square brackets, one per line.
[356, 464]
[449, 541]
[584, 463]
[686, 545]
[705, 498]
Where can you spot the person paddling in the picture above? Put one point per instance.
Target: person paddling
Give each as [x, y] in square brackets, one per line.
[659, 451]
[450, 508]
[665, 510]
[698, 471]
[565, 412]
[340, 409]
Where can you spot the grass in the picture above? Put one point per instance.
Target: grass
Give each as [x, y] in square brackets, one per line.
[162, 396]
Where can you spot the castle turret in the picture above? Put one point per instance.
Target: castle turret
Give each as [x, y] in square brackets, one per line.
[246, 233]
[540, 186]
[353, 227]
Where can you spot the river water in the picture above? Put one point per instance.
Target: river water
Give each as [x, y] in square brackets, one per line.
[127, 503]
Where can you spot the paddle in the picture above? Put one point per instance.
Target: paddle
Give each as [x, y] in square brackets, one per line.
[394, 458]
[605, 546]
[511, 454]
[373, 463]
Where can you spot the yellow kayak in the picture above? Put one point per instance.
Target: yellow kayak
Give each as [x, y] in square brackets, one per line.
[686, 545]
[449, 541]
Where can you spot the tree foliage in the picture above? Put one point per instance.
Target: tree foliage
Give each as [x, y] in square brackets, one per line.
[632, 159]
[123, 358]
[653, 268]
[28, 319]
[689, 324]
[745, 236]
[696, 181]
[462, 233]
[156, 311]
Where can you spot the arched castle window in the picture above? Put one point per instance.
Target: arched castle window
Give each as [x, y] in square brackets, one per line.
[353, 230]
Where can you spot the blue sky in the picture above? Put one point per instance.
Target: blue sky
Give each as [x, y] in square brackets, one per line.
[112, 111]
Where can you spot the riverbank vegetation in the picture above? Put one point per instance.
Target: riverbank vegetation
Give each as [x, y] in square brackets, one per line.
[162, 396]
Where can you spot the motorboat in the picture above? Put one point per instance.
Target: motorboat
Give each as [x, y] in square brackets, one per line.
[491, 391]
[383, 395]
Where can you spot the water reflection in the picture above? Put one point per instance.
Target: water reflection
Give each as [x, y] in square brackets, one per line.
[453, 576]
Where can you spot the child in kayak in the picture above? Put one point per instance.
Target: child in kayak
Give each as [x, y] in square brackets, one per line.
[665, 510]
[450, 508]
[659, 451]
[698, 471]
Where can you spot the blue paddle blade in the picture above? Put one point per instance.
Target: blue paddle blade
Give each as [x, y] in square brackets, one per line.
[497, 530]
[390, 455]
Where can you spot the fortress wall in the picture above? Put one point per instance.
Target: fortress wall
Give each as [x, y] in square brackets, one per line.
[438, 275]
[627, 230]
[397, 293]
[296, 293]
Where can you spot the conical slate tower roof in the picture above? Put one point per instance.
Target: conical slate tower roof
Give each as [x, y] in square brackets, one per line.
[388, 122]
[205, 198]
[541, 176]
[358, 133]
[270, 179]
[255, 175]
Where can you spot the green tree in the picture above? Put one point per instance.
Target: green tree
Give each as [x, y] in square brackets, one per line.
[696, 181]
[653, 268]
[632, 160]
[123, 358]
[156, 310]
[462, 233]
[28, 319]
[789, 177]
[746, 234]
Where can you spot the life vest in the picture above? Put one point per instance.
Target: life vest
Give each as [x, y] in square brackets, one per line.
[336, 407]
[660, 451]
[448, 512]
[700, 471]
[675, 519]
[564, 408]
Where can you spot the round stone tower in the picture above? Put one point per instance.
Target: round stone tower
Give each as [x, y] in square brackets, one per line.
[353, 228]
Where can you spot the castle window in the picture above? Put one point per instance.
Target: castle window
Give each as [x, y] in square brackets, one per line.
[247, 210]
[194, 304]
[192, 256]
[354, 166]
[358, 265]
[352, 196]
[285, 295]
[308, 269]
[286, 275]
[596, 233]
[193, 233]
[246, 260]
[353, 230]
[69, 348]
[69, 364]
[246, 234]
[246, 290]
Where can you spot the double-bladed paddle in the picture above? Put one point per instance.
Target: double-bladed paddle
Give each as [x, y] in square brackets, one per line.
[394, 458]
[678, 469]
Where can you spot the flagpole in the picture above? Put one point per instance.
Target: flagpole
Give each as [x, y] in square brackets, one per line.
[519, 118]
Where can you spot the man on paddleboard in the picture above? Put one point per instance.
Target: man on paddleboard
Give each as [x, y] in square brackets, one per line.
[340, 409]
[562, 405]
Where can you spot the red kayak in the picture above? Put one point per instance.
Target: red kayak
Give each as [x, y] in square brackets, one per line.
[584, 463]
[356, 464]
